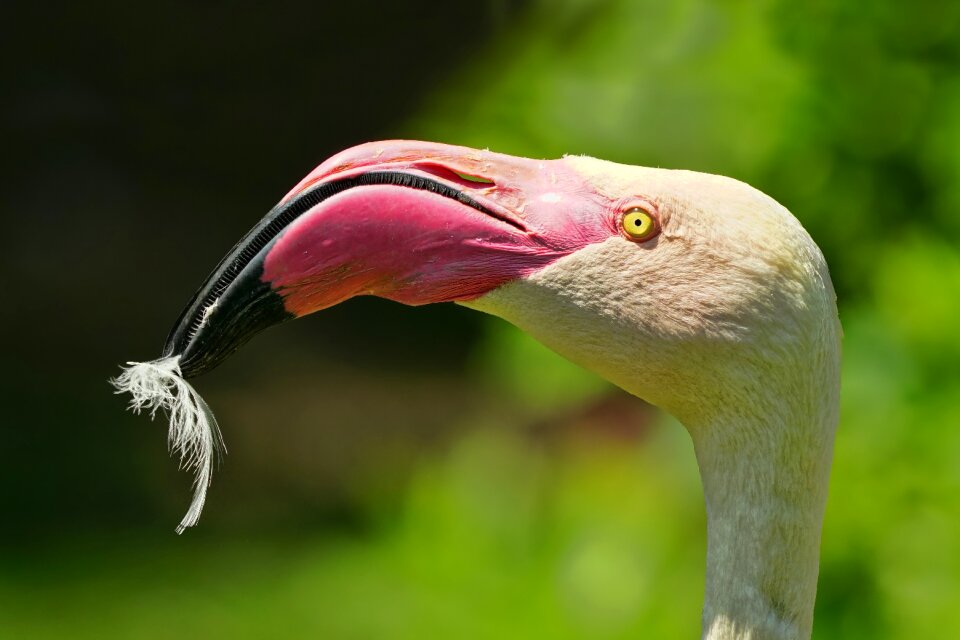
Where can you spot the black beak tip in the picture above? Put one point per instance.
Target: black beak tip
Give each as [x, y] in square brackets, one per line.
[214, 325]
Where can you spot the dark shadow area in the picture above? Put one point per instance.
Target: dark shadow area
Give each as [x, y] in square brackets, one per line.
[139, 143]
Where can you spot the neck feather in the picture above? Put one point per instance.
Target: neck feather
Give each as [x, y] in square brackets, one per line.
[765, 474]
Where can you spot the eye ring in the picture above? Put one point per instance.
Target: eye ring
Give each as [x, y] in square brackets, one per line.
[639, 224]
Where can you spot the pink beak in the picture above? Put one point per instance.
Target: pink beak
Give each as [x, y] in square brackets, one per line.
[415, 222]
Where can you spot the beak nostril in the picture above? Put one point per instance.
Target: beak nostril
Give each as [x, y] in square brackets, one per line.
[474, 179]
[457, 177]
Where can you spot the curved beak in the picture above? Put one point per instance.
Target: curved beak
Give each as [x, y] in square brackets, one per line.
[414, 222]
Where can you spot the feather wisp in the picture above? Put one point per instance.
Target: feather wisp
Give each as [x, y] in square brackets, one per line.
[193, 434]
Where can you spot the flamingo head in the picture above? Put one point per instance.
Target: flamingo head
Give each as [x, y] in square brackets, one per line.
[682, 275]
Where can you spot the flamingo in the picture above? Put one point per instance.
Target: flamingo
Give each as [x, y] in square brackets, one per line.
[694, 292]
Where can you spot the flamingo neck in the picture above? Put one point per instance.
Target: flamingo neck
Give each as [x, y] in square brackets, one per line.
[765, 480]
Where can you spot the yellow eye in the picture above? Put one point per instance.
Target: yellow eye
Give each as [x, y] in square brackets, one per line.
[638, 224]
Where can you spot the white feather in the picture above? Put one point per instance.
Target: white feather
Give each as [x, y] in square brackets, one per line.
[193, 434]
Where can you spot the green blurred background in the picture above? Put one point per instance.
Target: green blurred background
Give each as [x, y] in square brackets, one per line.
[408, 473]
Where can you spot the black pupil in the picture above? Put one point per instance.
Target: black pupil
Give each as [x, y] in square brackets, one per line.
[636, 222]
